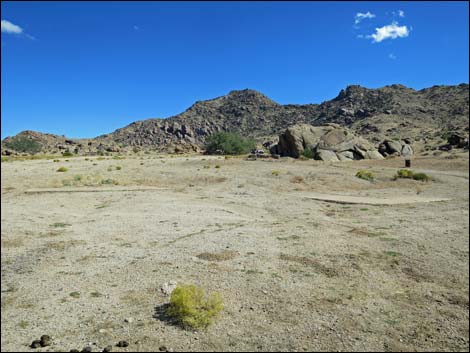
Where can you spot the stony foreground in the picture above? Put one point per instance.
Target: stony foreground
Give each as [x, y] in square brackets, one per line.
[294, 272]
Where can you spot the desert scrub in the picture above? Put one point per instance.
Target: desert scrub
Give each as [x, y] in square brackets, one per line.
[109, 182]
[308, 153]
[62, 169]
[275, 172]
[191, 308]
[408, 174]
[217, 166]
[67, 154]
[228, 143]
[118, 167]
[297, 179]
[365, 174]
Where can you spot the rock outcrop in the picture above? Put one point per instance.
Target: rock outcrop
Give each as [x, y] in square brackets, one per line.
[329, 142]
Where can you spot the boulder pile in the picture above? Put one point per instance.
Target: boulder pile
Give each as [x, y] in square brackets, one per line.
[329, 142]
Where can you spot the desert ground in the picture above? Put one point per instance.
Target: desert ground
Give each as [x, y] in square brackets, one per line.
[306, 256]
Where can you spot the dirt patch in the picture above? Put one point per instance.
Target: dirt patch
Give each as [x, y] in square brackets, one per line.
[218, 256]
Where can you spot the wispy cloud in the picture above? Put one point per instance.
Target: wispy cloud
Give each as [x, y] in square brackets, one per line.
[8, 27]
[401, 13]
[136, 28]
[392, 56]
[391, 31]
[361, 16]
[11, 28]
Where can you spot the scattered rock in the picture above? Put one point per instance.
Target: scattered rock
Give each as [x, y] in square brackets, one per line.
[163, 349]
[87, 349]
[122, 344]
[129, 320]
[35, 344]
[108, 348]
[45, 341]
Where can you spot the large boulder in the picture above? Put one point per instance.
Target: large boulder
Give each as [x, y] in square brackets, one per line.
[329, 142]
[396, 148]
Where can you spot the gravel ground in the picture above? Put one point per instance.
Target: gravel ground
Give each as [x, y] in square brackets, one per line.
[304, 274]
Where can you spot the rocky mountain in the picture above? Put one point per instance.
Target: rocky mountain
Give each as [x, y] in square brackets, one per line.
[390, 112]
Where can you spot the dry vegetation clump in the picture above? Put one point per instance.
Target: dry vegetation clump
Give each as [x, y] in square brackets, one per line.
[409, 174]
[221, 256]
[191, 308]
[297, 179]
[62, 169]
[365, 174]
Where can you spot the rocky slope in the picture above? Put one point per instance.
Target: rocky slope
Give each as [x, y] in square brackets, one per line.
[393, 112]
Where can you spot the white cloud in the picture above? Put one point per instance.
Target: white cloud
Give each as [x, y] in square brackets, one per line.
[391, 31]
[401, 13]
[360, 16]
[392, 56]
[136, 27]
[8, 27]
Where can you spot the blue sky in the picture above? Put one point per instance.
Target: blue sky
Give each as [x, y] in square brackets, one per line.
[86, 68]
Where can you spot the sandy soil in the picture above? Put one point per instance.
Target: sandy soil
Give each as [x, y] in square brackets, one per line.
[304, 274]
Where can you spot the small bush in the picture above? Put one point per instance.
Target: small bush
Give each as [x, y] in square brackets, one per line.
[118, 167]
[191, 308]
[62, 169]
[421, 177]
[228, 143]
[275, 172]
[56, 160]
[408, 174]
[308, 153]
[217, 166]
[206, 167]
[109, 182]
[67, 154]
[365, 174]
[404, 173]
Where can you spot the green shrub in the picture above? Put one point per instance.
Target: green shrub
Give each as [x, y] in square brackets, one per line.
[275, 172]
[109, 181]
[24, 144]
[228, 143]
[191, 308]
[421, 177]
[5, 159]
[62, 169]
[118, 167]
[217, 166]
[56, 160]
[308, 153]
[67, 154]
[408, 174]
[365, 174]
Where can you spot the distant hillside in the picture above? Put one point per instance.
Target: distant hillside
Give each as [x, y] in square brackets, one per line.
[390, 112]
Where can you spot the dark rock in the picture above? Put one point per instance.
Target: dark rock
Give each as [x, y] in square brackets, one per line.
[87, 349]
[108, 348]
[35, 344]
[122, 344]
[45, 340]
[163, 349]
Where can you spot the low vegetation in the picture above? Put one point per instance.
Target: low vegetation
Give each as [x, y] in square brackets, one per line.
[191, 308]
[409, 174]
[365, 174]
[62, 169]
[308, 153]
[229, 143]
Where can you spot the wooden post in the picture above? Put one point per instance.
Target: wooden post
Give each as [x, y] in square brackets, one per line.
[407, 163]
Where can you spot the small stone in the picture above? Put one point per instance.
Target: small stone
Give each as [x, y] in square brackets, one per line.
[122, 344]
[129, 320]
[163, 349]
[87, 349]
[102, 330]
[45, 341]
[35, 344]
[108, 348]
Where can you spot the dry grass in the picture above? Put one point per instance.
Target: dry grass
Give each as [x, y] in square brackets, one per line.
[12, 243]
[220, 256]
[315, 264]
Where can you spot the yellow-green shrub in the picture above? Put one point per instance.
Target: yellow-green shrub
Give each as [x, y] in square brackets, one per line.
[365, 174]
[191, 308]
[62, 169]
